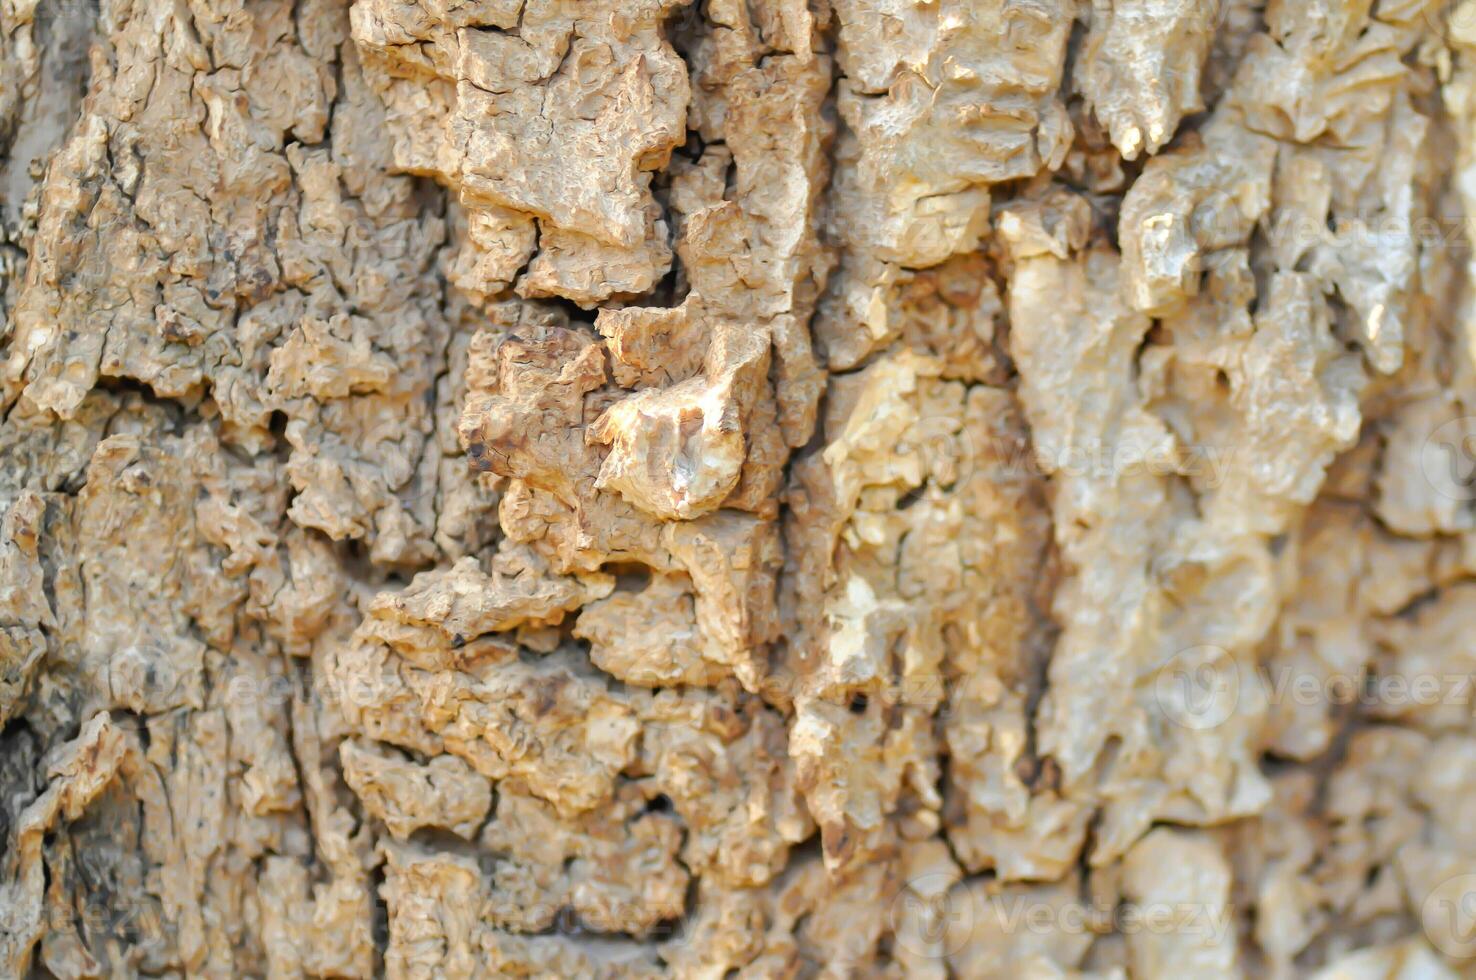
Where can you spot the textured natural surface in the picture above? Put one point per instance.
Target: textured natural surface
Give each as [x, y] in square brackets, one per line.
[737, 488]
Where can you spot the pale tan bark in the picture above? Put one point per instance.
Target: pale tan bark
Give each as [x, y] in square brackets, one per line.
[644, 487]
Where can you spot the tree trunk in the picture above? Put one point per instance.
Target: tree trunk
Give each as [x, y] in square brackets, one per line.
[568, 488]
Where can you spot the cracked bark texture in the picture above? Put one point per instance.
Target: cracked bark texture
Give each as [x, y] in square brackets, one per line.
[701, 488]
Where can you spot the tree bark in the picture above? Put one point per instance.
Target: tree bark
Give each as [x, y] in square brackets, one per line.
[620, 488]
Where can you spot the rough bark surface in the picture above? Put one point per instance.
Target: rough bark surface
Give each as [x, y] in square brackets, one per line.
[758, 488]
